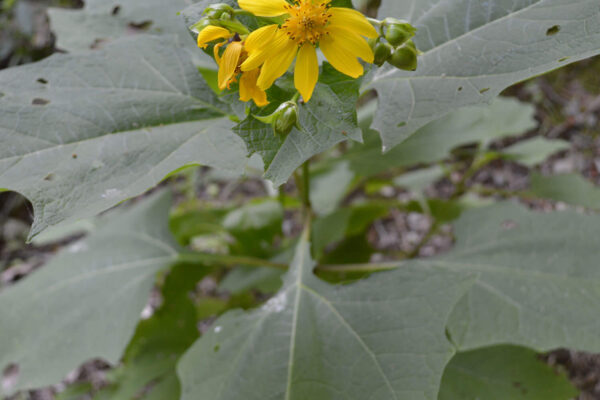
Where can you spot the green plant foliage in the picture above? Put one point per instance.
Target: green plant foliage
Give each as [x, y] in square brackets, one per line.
[100, 21]
[94, 292]
[148, 366]
[472, 51]
[500, 373]
[534, 151]
[329, 118]
[569, 188]
[326, 342]
[85, 132]
[254, 226]
[477, 124]
[537, 280]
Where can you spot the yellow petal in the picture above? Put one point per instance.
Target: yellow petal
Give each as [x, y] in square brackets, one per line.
[341, 59]
[264, 8]
[271, 49]
[211, 33]
[352, 43]
[306, 73]
[353, 20]
[260, 37]
[249, 90]
[277, 64]
[229, 64]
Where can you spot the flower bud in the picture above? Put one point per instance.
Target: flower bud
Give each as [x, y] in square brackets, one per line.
[399, 33]
[382, 52]
[285, 118]
[216, 11]
[405, 57]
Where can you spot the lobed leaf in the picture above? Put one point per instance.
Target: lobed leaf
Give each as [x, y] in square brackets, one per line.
[382, 338]
[473, 50]
[81, 133]
[503, 372]
[86, 302]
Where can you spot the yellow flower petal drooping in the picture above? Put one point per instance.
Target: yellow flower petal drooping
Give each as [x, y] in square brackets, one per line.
[339, 32]
[250, 91]
[212, 33]
[230, 63]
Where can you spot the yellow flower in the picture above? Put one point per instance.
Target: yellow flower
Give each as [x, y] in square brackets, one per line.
[230, 64]
[308, 23]
[229, 69]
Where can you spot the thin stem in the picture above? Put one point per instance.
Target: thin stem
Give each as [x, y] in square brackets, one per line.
[359, 267]
[229, 261]
[374, 21]
[306, 186]
[296, 97]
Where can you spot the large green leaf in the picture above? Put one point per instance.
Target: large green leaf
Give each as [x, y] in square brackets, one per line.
[87, 301]
[100, 21]
[538, 284]
[479, 124]
[148, 365]
[501, 373]
[475, 49]
[80, 133]
[382, 338]
[569, 188]
[327, 119]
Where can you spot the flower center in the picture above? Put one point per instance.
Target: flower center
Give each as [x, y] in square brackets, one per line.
[308, 21]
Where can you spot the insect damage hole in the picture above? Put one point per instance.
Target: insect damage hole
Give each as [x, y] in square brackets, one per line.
[42, 81]
[553, 30]
[39, 101]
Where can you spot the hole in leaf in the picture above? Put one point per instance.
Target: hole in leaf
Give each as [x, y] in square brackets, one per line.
[49, 177]
[39, 102]
[116, 9]
[482, 91]
[42, 81]
[460, 88]
[74, 156]
[563, 59]
[140, 26]
[553, 30]
[217, 348]
[9, 377]
[401, 124]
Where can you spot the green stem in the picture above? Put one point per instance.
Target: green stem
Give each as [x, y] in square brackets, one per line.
[296, 97]
[233, 261]
[359, 267]
[242, 12]
[228, 260]
[374, 21]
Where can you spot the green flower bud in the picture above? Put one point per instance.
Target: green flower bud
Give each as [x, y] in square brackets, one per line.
[405, 57]
[373, 42]
[382, 52]
[215, 11]
[399, 33]
[285, 118]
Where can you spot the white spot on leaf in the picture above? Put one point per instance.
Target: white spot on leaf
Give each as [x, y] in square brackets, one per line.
[276, 304]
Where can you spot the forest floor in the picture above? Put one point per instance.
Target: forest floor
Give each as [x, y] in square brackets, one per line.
[568, 108]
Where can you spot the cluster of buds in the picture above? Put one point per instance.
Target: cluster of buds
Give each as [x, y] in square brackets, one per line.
[398, 49]
[222, 15]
